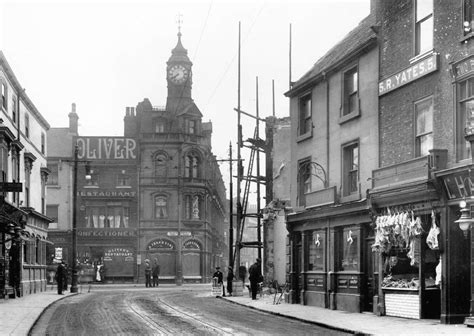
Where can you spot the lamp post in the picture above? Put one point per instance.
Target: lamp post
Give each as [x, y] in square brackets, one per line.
[74, 223]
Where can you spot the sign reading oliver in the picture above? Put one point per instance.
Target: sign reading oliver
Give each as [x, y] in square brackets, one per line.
[106, 148]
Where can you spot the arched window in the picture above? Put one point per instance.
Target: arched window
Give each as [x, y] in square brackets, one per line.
[161, 207]
[191, 165]
[161, 165]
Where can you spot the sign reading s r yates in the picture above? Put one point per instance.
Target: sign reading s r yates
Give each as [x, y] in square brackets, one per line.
[106, 148]
[413, 72]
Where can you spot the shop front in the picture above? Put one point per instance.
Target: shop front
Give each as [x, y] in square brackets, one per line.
[12, 225]
[331, 266]
[106, 255]
[423, 259]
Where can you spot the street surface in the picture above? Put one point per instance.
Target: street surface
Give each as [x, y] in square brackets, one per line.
[166, 310]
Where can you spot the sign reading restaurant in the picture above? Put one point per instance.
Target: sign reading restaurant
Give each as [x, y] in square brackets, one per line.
[410, 74]
[106, 148]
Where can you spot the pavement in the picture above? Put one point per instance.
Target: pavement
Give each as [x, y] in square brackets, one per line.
[17, 316]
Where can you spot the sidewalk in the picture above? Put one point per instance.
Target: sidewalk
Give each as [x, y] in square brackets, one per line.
[363, 323]
[17, 316]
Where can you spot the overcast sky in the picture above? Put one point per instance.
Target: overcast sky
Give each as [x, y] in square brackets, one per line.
[106, 55]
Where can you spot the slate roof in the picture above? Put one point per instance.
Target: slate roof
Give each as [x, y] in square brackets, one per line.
[351, 43]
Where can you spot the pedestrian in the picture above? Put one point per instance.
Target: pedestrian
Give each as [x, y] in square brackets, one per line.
[230, 277]
[255, 277]
[147, 273]
[219, 278]
[155, 272]
[66, 276]
[60, 271]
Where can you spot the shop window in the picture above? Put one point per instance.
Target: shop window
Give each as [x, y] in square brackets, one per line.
[161, 165]
[305, 115]
[27, 125]
[468, 14]
[192, 204]
[103, 216]
[465, 116]
[53, 174]
[15, 175]
[304, 180]
[14, 109]
[350, 92]
[316, 251]
[349, 260]
[423, 26]
[26, 250]
[37, 251]
[191, 165]
[424, 127]
[27, 186]
[350, 172]
[161, 207]
[4, 95]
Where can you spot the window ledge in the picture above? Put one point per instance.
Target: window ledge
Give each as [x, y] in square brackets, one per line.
[53, 186]
[421, 56]
[350, 198]
[91, 187]
[304, 136]
[466, 38]
[123, 187]
[348, 117]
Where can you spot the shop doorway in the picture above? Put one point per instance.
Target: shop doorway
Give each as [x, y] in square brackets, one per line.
[192, 261]
[370, 267]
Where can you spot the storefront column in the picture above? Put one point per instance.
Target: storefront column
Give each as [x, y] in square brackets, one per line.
[304, 236]
[332, 250]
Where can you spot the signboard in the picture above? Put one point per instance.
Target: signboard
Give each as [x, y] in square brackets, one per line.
[107, 193]
[410, 74]
[458, 185]
[58, 253]
[118, 262]
[11, 186]
[465, 67]
[106, 148]
[109, 233]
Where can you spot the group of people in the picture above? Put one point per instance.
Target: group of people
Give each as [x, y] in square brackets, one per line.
[255, 277]
[152, 273]
[219, 278]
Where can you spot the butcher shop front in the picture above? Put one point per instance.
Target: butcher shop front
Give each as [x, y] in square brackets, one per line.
[423, 253]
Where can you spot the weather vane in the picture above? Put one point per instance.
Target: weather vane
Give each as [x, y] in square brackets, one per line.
[179, 21]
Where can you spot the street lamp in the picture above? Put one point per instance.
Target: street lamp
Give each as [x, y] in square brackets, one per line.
[465, 220]
[74, 223]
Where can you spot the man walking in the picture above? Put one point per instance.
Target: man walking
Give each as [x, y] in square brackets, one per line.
[60, 276]
[155, 272]
[255, 277]
[147, 273]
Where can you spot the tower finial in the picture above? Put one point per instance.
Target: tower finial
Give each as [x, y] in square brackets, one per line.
[179, 21]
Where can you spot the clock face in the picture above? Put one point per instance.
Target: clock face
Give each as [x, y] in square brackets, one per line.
[178, 74]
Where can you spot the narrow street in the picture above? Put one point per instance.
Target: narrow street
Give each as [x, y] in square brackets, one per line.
[162, 311]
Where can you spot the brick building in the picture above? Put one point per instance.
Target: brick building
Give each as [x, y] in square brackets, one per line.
[155, 193]
[425, 95]
[182, 195]
[415, 136]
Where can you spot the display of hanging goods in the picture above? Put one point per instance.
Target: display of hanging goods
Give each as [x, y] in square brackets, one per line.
[432, 239]
[395, 230]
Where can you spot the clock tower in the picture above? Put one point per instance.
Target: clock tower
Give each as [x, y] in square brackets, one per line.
[179, 78]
